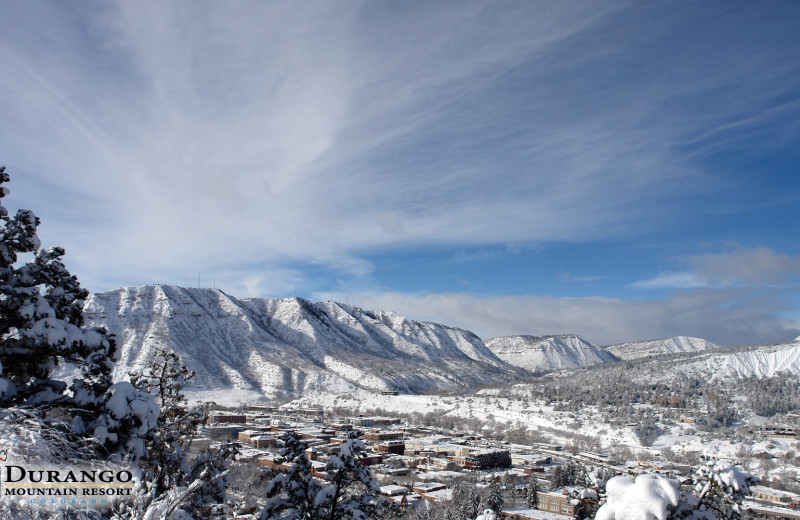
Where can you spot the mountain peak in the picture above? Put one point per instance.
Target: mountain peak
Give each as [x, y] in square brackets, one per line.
[546, 353]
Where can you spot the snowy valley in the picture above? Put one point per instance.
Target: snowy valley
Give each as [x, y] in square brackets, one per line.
[274, 365]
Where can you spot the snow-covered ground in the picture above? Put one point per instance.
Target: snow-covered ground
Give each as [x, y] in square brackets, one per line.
[561, 427]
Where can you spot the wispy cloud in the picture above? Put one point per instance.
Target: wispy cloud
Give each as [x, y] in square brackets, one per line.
[159, 140]
[567, 277]
[672, 281]
[313, 132]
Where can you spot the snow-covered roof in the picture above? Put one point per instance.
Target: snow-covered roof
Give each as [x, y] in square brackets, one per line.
[392, 489]
[534, 513]
[441, 494]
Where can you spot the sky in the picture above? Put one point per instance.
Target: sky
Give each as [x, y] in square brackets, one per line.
[619, 170]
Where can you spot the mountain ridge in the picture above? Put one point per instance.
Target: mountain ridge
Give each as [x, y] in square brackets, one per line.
[285, 346]
[657, 347]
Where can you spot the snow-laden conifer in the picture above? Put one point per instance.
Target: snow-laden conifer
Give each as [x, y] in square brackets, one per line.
[292, 492]
[349, 491]
[173, 485]
[41, 327]
[719, 490]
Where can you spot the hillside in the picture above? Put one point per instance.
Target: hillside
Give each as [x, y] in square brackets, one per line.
[287, 346]
[765, 361]
[546, 353]
[658, 347]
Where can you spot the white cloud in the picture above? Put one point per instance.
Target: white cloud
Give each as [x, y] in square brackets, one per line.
[742, 266]
[758, 265]
[725, 317]
[672, 281]
[248, 134]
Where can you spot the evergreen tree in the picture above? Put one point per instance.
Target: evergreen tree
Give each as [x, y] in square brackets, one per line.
[41, 327]
[472, 506]
[171, 480]
[718, 494]
[465, 502]
[494, 499]
[558, 479]
[292, 492]
[349, 491]
[166, 463]
[719, 490]
[532, 495]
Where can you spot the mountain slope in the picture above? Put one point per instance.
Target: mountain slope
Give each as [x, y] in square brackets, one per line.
[658, 347]
[546, 353]
[765, 361]
[290, 345]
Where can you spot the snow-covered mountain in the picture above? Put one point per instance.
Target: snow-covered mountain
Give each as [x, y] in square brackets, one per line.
[658, 347]
[545, 353]
[290, 345]
[765, 361]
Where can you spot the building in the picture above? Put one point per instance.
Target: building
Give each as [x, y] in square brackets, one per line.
[373, 421]
[227, 418]
[521, 459]
[773, 495]
[263, 441]
[394, 447]
[771, 512]
[779, 432]
[427, 487]
[311, 412]
[380, 436]
[246, 434]
[484, 459]
[435, 464]
[439, 495]
[558, 502]
[393, 490]
[526, 513]
[224, 432]
[370, 459]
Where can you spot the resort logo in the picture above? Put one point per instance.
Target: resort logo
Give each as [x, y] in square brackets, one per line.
[65, 487]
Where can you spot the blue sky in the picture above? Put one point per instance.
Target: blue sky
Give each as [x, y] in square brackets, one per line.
[621, 170]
